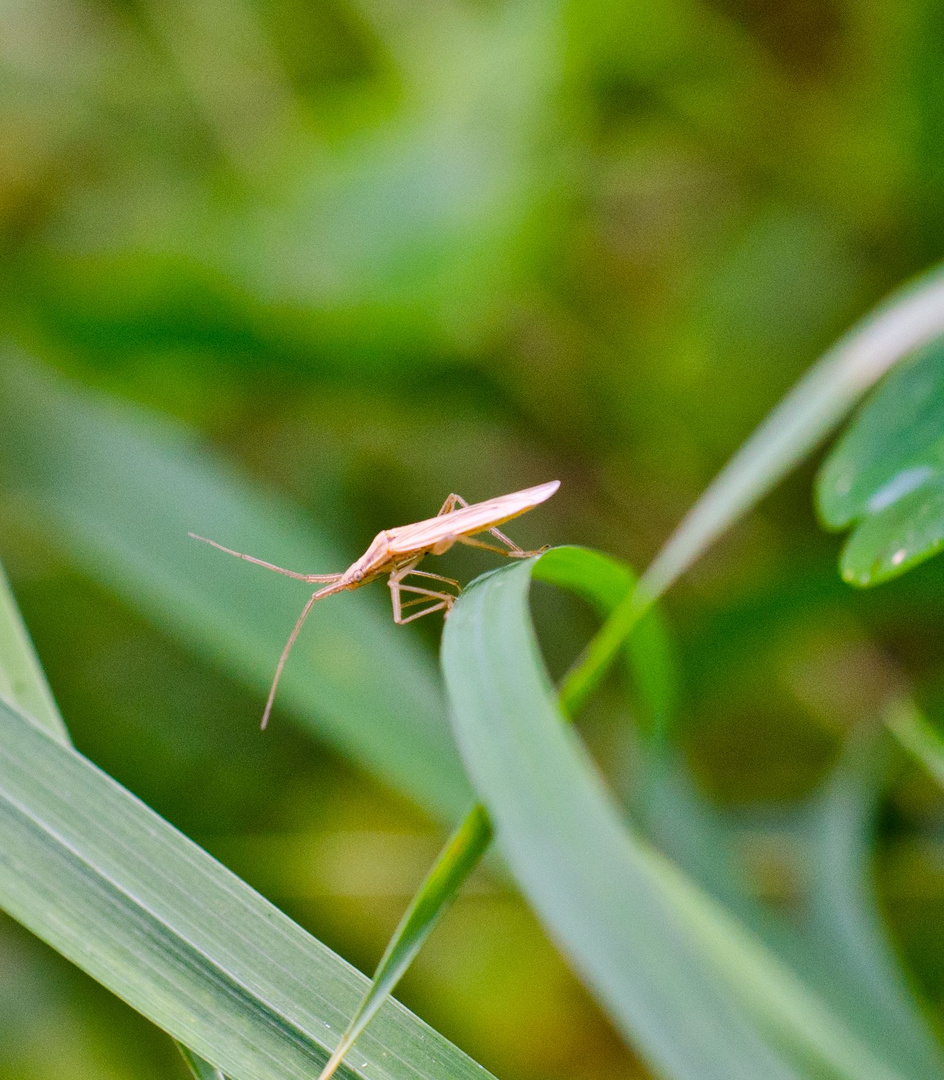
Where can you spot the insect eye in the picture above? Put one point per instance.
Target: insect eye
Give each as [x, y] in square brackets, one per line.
[358, 575]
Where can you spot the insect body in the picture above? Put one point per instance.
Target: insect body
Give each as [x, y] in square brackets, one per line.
[397, 553]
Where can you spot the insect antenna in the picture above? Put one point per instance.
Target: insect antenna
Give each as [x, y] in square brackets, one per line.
[267, 565]
[288, 647]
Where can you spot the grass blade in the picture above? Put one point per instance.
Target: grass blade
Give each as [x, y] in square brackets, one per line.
[455, 862]
[22, 674]
[908, 319]
[843, 904]
[603, 582]
[121, 489]
[911, 728]
[24, 684]
[201, 1069]
[22, 679]
[117, 890]
[648, 942]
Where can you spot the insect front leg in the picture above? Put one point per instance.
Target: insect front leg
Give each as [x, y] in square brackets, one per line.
[397, 588]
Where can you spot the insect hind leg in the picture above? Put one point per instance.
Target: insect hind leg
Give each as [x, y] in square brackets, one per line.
[510, 551]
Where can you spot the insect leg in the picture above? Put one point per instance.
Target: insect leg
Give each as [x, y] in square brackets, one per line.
[419, 614]
[514, 553]
[446, 601]
[427, 574]
[268, 565]
[395, 582]
[450, 504]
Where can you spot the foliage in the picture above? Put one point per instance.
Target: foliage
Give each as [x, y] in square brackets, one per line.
[884, 476]
[286, 274]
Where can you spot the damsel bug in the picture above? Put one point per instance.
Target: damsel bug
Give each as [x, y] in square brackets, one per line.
[398, 552]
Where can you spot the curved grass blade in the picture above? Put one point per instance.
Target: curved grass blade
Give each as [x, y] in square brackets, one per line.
[110, 885]
[842, 902]
[694, 990]
[603, 582]
[911, 728]
[120, 489]
[852, 958]
[908, 319]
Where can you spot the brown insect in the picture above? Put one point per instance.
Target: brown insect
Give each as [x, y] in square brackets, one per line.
[397, 552]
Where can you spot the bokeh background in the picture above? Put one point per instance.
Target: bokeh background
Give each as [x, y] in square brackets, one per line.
[375, 251]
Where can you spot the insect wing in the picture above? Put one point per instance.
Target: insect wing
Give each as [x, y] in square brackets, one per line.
[468, 520]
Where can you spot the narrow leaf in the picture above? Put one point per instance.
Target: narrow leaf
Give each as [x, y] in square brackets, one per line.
[603, 582]
[117, 890]
[201, 1069]
[912, 729]
[648, 942]
[22, 679]
[24, 684]
[908, 319]
[455, 862]
[843, 906]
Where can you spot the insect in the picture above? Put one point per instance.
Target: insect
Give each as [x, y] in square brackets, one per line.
[397, 553]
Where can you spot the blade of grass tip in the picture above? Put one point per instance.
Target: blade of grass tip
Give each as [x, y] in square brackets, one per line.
[455, 863]
[911, 728]
[23, 682]
[22, 679]
[202, 1070]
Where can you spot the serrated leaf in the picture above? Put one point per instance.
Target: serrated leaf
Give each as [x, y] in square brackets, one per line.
[885, 476]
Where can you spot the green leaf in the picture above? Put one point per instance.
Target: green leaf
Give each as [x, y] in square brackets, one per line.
[201, 1069]
[23, 683]
[907, 320]
[22, 679]
[452, 867]
[603, 582]
[126, 897]
[843, 906]
[120, 489]
[885, 476]
[697, 993]
[912, 729]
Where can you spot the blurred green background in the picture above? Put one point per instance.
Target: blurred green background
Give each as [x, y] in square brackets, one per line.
[377, 251]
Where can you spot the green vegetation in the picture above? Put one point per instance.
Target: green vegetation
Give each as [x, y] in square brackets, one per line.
[284, 274]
